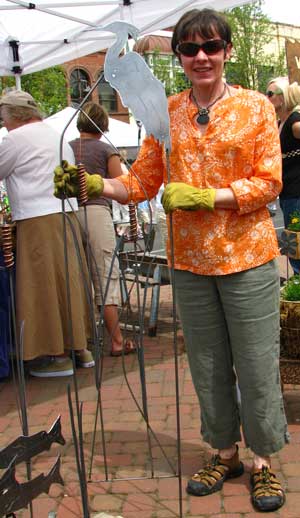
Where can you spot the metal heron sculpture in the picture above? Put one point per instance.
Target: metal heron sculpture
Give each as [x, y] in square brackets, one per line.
[145, 96]
[138, 88]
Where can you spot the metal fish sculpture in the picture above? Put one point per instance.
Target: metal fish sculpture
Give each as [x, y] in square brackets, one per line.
[23, 448]
[7, 480]
[15, 496]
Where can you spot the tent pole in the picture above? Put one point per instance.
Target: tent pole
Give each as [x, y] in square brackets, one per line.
[18, 82]
[16, 68]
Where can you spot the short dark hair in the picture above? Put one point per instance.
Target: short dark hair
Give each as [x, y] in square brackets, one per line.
[204, 22]
[98, 116]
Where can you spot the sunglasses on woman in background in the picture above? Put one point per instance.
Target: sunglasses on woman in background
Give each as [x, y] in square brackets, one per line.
[191, 48]
[270, 93]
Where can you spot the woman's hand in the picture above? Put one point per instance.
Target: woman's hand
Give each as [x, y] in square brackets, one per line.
[66, 182]
[179, 195]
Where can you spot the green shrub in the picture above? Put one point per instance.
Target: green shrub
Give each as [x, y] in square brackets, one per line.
[294, 223]
[291, 289]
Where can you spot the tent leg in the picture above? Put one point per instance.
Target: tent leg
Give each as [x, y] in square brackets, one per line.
[18, 82]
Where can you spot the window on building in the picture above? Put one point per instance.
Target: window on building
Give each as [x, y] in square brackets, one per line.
[79, 85]
[107, 95]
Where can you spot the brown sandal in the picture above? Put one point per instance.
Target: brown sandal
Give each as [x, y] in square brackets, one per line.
[267, 492]
[128, 348]
[211, 478]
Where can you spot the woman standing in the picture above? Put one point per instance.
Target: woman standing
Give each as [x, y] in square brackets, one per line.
[286, 101]
[99, 158]
[27, 157]
[225, 166]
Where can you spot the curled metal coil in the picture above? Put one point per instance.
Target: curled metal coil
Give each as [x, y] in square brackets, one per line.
[7, 245]
[82, 187]
[133, 221]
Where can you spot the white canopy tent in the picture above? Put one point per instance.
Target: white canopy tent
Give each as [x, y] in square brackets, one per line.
[120, 134]
[35, 36]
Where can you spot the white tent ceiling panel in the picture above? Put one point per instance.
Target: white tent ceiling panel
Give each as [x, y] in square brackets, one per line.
[50, 32]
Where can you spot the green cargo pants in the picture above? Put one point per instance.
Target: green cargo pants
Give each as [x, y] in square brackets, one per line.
[231, 327]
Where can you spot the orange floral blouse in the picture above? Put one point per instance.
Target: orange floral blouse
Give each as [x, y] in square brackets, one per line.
[241, 150]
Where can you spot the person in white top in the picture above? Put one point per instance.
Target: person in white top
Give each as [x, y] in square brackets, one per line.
[28, 155]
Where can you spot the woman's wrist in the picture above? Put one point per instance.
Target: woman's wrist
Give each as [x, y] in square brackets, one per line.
[225, 199]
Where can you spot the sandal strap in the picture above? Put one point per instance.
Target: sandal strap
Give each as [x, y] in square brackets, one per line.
[265, 483]
[214, 471]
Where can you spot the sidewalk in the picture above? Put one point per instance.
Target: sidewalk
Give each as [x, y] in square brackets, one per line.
[126, 434]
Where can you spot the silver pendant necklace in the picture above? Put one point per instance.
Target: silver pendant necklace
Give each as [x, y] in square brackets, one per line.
[203, 113]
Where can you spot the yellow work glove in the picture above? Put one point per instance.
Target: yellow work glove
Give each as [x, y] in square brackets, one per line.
[95, 185]
[66, 182]
[179, 195]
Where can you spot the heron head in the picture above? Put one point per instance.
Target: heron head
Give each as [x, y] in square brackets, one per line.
[122, 27]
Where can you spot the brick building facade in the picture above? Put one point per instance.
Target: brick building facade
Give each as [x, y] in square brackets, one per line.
[82, 74]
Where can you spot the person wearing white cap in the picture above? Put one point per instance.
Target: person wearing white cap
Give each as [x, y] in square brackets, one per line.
[28, 155]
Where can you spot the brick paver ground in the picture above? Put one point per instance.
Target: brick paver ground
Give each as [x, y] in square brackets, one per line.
[130, 490]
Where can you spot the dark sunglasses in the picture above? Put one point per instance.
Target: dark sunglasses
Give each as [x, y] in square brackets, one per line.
[191, 48]
[269, 93]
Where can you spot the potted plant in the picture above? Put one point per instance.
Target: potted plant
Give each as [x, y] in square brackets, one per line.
[290, 237]
[290, 330]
